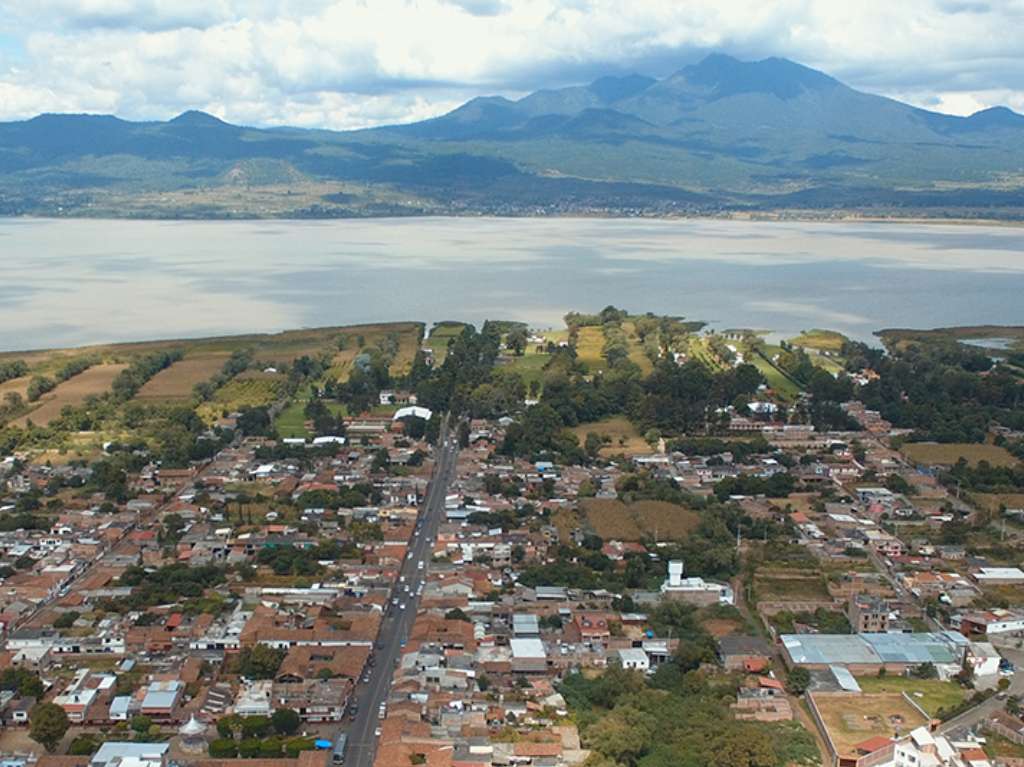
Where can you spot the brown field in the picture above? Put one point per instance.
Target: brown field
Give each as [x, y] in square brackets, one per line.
[408, 344]
[615, 520]
[177, 381]
[721, 627]
[625, 438]
[992, 501]
[941, 454]
[95, 380]
[852, 718]
[17, 385]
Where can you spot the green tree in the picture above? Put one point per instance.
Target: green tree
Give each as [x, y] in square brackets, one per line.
[798, 680]
[223, 748]
[141, 723]
[48, 723]
[285, 721]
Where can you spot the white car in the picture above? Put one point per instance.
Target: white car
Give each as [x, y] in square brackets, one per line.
[419, 565]
[376, 732]
[401, 606]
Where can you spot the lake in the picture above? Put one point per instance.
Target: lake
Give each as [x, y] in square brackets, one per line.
[71, 282]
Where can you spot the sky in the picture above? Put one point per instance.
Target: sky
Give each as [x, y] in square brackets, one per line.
[344, 64]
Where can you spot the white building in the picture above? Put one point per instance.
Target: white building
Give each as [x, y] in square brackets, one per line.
[634, 659]
[694, 590]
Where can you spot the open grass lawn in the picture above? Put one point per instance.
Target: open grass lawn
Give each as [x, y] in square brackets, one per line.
[177, 381]
[623, 435]
[934, 453]
[440, 335]
[930, 694]
[697, 348]
[851, 718]
[529, 367]
[615, 520]
[997, 746]
[782, 385]
[94, 381]
[590, 348]
[820, 340]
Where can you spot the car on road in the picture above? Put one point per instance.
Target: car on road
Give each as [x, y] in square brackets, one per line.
[376, 732]
[419, 565]
[401, 606]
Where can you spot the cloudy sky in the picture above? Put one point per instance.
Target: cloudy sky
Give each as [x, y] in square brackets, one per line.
[353, 63]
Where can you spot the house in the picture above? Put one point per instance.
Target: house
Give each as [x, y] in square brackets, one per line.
[162, 699]
[868, 614]
[739, 652]
[126, 754]
[634, 659]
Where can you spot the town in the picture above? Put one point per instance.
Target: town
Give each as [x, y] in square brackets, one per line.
[630, 541]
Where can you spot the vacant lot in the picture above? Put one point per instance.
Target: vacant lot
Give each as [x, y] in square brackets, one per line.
[772, 586]
[930, 694]
[994, 501]
[615, 520]
[851, 718]
[177, 381]
[623, 435]
[937, 454]
[73, 392]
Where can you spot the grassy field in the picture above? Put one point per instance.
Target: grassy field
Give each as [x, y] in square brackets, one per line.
[177, 381]
[934, 453]
[791, 586]
[96, 380]
[636, 349]
[782, 386]
[615, 520]
[590, 348]
[930, 694]
[852, 718]
[899, 338]
[529, 367]
[698, 349]
[993, 501]
[440, 335]
[623, 434]
[820, 340]
[291, 423]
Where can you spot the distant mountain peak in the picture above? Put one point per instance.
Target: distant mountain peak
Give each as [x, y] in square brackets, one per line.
[728, 76]
[999, 115]
[611, 89]
[198, 118]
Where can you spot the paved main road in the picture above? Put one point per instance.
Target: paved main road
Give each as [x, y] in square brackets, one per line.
[394, 630]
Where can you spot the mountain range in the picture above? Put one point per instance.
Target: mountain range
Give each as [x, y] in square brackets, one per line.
[718, 136]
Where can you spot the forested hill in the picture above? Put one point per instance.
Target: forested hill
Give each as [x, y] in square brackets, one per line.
[720, 135]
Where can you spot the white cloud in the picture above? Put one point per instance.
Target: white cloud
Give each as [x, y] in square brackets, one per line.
[351, 63]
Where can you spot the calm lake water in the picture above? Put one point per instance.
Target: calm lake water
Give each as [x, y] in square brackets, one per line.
[83, 281]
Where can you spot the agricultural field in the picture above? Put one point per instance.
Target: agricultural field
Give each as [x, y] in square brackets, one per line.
[851, 718]
[177, 382]
[94, 381]
[590, 348]
[17, 385]
[698, 349]
[615, 520]
[624, 437]
[947, 454]
[440, 335]
[932, 695]
[250, 389]
[360, 338]
[636, 349]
